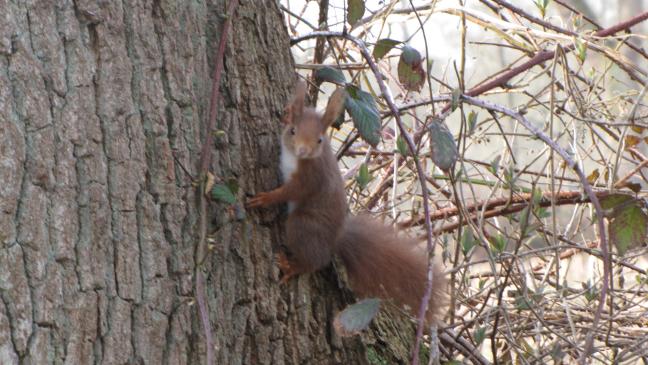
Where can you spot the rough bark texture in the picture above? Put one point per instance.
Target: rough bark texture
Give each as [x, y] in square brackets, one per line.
[98, 219]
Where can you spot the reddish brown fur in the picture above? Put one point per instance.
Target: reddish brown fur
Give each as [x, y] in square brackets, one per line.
[379, 262]
[314, 224]
[315, 188]
[320, 207]
[383, 264]
[306, 128]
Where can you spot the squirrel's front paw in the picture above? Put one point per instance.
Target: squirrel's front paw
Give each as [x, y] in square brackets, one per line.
[285, 267]
[259, 200]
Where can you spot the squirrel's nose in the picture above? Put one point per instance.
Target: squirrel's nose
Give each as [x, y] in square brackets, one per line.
[302, 151]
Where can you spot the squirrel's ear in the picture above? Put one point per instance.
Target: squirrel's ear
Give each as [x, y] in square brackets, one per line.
[300, 95]
[295, 108]
[287, 116]
[334, 107]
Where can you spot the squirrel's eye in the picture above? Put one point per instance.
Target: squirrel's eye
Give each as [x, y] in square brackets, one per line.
[292, 130]
[320, 140]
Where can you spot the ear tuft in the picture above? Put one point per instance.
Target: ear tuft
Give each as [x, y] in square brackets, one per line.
[334, 107]
[295, 108]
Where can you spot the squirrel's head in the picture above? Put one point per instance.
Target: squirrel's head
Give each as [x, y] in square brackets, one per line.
[305, 128]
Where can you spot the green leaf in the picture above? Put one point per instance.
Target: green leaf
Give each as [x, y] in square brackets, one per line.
[627, 226]
[498, 243]
[458, 174]
[536, 197]
[581, 50]
[363, 177]
[591, 292]
[456, 96]
[383, 46]
[355, 11]
[444, 149]
[362, 108]
[494, 165]
[521, 303]
[222, 193]
[467, 241]
[356, 317]
[472, 122]
[480, 335]
[410, 69]
[615, 201]
[542, 6]
[524, 221]
[411, 56]
[412, 78]
[233, 186]
[542, 213]
[509, 177]
[401, 146]
[330, 74]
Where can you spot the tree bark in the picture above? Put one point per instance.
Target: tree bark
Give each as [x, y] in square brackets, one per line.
[102, 107]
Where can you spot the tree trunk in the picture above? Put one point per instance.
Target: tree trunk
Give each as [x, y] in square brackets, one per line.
[102, 107]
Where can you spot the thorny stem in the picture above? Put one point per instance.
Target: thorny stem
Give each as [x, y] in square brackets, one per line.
[205, 160]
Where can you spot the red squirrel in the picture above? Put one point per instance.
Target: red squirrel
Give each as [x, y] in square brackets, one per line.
[313, 187]
[378, 261]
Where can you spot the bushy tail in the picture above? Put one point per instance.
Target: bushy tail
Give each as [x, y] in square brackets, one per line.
[382, 264]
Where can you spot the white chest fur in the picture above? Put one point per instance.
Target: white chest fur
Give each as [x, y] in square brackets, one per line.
[288, 163]
[288, 166]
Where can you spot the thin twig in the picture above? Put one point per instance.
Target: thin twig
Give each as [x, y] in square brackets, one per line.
[543, 56]
[590, 193]
[205, 161]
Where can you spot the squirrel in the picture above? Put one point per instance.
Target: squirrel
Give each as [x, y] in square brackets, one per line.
[313, 187]
[378, 261]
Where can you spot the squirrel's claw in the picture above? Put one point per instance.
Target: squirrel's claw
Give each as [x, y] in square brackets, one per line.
[284, 265]
[259, 200]
[285, 279]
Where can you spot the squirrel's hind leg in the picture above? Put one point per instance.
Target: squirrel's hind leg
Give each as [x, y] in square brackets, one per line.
[285, 266]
